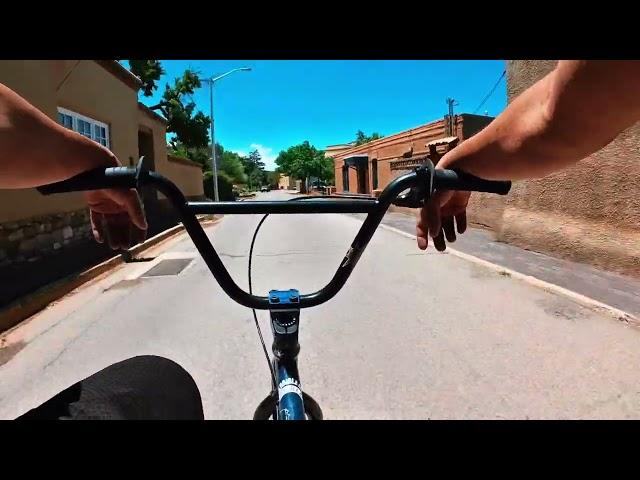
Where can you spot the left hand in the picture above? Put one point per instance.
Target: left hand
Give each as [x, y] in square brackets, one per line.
[117, 217]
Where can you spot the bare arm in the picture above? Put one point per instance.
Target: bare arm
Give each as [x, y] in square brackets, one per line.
[35, 150]
[575, 110]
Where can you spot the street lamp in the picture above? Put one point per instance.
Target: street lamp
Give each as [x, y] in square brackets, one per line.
[214, 166]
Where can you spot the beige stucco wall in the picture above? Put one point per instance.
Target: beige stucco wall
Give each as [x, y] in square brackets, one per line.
[283, 182]
[188, 178]
[158, 129]
[287, 183]
[89, 90]
[589, 212]
[96, 93]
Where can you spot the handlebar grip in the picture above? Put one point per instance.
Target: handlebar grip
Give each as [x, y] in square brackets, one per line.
[99, 178]
[456, 180]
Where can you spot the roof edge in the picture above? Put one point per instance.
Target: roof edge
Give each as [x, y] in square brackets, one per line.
[121, 73]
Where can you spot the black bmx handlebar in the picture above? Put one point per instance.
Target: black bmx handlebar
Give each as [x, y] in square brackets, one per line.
[422, 183]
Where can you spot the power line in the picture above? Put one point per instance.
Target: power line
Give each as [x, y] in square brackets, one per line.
[490, 93]
[67, 75]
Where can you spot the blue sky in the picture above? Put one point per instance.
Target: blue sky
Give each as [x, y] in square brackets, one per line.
[284, 102]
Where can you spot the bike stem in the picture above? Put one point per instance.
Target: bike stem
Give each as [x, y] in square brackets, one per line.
[285, 322]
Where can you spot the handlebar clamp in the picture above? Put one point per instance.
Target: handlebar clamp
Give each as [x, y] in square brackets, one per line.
[418, 195]
[140, 172]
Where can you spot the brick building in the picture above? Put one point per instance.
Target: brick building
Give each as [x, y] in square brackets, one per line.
[368, 168]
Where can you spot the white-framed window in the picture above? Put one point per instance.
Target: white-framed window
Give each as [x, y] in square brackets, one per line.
[90, 128]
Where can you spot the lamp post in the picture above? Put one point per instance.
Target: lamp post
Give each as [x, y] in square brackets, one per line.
[214, 166]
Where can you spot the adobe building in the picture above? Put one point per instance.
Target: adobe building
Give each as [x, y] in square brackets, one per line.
[589, 212]
[43, 238]
[368, 168]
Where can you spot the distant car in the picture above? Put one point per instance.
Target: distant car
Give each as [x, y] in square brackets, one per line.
[265, 189]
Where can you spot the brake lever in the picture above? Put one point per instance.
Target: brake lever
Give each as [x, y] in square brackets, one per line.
[140, 172]
[421, 192]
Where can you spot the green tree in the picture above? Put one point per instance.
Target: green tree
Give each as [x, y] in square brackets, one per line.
[254, 170]
[362, 138]
[225, 186]
[231, 165]
[303, 161]
[273, 178]
[200, 155]
[189, 126]
[149, 71]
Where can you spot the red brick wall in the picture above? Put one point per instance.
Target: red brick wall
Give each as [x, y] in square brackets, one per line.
[353, 178]
[388, 149]
[394, 147]
[338, 177]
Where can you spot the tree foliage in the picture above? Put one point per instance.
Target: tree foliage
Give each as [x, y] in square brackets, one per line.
[225, 186]
[190, 127]
[362, 138]
[149, 71]
[191, 131]
[273, 178]
[200, 155]
[303, 161]
[254, 169]
[229, 163]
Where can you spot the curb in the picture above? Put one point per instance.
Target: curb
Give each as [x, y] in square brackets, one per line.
[583, 300]
[32, 303]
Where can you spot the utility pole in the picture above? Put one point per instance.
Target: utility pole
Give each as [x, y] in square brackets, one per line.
[451, 102]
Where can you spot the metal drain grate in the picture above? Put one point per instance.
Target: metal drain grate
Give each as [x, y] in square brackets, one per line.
[170, 266]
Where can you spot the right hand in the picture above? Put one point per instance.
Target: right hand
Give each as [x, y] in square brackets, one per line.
[436, 219]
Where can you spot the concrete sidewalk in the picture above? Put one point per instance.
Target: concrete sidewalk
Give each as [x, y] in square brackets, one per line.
[616, 290]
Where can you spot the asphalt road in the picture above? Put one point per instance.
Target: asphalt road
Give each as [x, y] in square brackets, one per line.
[411, 335]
